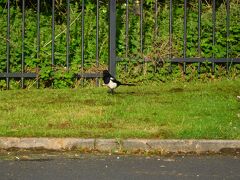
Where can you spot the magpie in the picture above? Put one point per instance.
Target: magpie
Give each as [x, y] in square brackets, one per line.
[111, 82]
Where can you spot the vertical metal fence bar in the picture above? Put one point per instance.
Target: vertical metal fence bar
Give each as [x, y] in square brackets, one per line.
[213, 30]
[199, 31]
[126, 33]
[155, 19]
[112, 37]
[185, 35]
[97, 38]
[170, 28]
[83, 9]
[97, 33]
[141, 27]
[155, 31]
[127, 28]
[8, 43]
[227, 29]
[53, 31]
[23, 35]
[38, 37]
[68, 34]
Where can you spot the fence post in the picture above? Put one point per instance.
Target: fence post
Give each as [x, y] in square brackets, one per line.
[8, 45]
[112, 37]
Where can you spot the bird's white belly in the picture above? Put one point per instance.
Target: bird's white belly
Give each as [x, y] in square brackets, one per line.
[112, 85]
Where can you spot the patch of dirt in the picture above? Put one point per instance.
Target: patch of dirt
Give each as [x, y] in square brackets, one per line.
[89, 102]
[105, 125]
[174, 90]
[108, 103]
[163, 132]
[62, 125]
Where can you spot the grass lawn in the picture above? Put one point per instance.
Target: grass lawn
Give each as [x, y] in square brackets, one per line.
[172, 110]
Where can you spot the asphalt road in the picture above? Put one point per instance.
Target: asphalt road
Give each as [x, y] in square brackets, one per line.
[113, 167]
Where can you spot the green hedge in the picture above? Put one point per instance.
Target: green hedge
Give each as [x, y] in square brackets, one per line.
[155, 45]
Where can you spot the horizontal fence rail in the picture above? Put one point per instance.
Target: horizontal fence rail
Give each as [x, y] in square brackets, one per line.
[135, 13]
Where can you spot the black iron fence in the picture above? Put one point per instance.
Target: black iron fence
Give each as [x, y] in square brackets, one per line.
[128, 9]
[186, 6]
[24, 74]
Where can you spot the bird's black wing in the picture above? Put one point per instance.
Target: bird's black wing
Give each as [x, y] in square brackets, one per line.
[107, 77]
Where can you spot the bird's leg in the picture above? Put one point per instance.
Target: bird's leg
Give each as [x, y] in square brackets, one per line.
[112, 92]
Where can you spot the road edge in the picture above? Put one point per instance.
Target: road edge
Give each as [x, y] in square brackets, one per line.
[122, 145]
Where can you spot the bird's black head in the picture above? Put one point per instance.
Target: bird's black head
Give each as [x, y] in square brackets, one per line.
[106, 73]
[106, 76]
